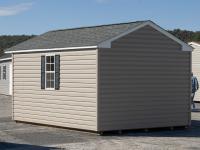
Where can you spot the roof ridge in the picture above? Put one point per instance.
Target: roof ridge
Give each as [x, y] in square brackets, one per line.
[142, 21]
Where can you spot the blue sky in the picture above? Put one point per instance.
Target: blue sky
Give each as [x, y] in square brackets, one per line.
[39, 16]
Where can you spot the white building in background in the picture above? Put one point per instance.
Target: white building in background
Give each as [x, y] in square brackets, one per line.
[196, 65]
[6, 74]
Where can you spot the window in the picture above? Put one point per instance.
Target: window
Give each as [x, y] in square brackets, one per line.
[4, 72]
[50, 72]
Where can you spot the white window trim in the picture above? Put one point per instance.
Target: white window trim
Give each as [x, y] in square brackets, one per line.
[51, 89]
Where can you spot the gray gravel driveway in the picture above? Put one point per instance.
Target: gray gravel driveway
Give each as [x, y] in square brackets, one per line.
[19, 136]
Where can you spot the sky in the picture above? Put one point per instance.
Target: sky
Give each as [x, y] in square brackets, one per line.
[19, 17]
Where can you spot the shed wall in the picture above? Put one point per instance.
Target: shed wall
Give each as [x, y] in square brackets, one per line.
[74, 105]
[144, 82]
[196, 68]
[5, 84]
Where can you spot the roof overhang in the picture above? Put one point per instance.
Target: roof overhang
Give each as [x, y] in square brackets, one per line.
[108, 43]
[5, 59]
[52, 49]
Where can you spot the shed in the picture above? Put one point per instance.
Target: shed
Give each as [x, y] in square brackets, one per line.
[110, 77]
[6, 74]
[196, 65]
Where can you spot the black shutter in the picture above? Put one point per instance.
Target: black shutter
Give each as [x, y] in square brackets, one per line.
[57, 72]
[42, 72]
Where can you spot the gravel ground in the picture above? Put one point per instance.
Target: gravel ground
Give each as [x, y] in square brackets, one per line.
[19, 136]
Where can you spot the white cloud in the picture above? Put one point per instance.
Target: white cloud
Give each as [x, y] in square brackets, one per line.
[14, 9]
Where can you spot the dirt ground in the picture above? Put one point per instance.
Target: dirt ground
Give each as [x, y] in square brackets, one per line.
[19, 136]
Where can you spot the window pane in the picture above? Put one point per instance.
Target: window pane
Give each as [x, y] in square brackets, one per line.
[48, 67]
[4, 68]
[48, 59]
[52, 77]
[48, 84]
[52, 59]
[48, 76]
[52, 67]
[52, 84]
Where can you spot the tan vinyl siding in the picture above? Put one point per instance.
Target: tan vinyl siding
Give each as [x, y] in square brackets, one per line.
[196, 68]
[144, 82]
[5, 84]
[74, 105]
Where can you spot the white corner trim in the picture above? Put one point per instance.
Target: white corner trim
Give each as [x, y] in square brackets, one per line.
[4, 59]
[10, 79]
[51, 49]
[185, 47]
[194, 43]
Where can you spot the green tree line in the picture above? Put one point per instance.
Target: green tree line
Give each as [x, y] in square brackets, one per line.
[7, 41]
[185, 35]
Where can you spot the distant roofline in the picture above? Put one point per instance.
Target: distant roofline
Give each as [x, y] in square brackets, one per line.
[194, 43]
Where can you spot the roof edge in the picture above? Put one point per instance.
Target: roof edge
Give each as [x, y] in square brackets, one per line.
[51, 49]
[5, 59]
[185, 46]
[194, 43]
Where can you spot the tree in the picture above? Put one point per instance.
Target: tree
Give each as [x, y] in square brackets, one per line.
[186, 36]
[196, 37]
[9, 41]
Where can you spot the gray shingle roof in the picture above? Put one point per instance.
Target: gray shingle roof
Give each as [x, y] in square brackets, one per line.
[77, 37]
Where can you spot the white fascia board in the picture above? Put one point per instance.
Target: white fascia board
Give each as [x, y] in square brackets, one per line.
[194, 43]
[4, 59]
[185, 47]
[51, 49]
